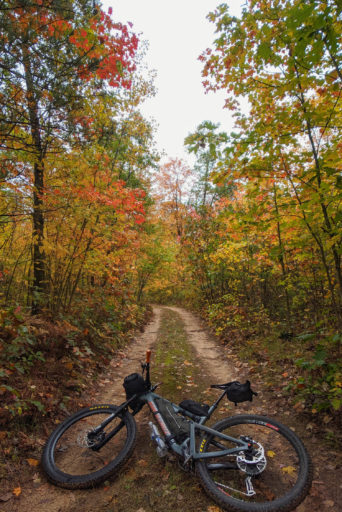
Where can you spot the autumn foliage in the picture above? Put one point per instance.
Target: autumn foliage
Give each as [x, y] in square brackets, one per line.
[250, 236]
[74, 191]
[261, 245]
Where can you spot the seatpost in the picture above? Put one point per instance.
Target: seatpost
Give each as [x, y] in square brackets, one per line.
[215, 404]
[147, 366]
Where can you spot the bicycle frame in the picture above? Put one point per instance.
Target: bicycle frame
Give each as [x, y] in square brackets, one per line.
[195, 426]
[187, 449]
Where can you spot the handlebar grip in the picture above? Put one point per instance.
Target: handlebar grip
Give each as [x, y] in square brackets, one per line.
[148, 356]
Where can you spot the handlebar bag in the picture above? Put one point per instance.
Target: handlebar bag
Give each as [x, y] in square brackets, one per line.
[134, 384]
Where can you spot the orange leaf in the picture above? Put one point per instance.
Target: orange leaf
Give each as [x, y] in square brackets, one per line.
[17, 491]
[143, 463]
[32, 462]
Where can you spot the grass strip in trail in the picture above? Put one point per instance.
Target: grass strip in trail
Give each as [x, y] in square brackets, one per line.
[150, 483]
[175, 363]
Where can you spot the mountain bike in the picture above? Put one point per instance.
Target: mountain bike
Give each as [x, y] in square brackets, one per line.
[245, 462]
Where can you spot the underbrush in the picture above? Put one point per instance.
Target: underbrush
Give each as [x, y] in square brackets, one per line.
[46, 362]
[306, 366]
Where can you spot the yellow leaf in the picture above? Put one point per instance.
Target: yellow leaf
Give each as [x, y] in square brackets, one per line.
[17, 491]
[179, 387]
[187, 363]
[290, 470]
[270, 454]
[69, 365]
[32, 462]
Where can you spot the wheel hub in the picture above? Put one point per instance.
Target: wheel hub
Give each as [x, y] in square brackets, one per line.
[89, 439]
[252, 461]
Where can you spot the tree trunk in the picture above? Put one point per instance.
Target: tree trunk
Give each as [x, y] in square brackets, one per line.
[39, 263]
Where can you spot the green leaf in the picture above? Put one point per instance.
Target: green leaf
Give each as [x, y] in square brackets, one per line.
[306, 337]
[264, 51]
[39, 405]
[339, 182]
[336, 403]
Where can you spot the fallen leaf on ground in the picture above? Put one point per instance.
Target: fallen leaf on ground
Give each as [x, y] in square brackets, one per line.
[290, 470]
[17, 491]
[142, 463]
[32, 462]
[165, 476]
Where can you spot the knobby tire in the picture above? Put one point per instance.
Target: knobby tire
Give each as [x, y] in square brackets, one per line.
[69, 462]
[288, 471]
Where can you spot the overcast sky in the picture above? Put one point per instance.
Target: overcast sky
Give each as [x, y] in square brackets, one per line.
[177, 32]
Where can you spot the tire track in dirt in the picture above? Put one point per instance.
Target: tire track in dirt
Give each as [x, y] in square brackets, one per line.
[219, 369]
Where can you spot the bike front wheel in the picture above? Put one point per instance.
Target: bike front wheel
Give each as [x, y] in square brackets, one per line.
[274, 476]
[72, 457]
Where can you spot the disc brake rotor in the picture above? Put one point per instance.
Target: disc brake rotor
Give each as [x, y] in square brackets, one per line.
[254, 462]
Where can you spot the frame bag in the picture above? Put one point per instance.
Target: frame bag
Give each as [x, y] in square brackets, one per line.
[176, 423]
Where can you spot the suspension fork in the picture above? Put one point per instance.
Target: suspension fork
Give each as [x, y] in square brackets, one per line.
[112, 433]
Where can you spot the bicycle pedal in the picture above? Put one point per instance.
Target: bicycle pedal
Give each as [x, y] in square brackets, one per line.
[249, 486]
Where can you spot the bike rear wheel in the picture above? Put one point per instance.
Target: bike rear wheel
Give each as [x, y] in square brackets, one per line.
[274, 477]
[69, 458]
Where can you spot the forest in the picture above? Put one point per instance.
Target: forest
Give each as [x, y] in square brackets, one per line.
[93, 229]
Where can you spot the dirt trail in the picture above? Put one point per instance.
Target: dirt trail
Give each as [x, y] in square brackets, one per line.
[216, 367]
[208, 351]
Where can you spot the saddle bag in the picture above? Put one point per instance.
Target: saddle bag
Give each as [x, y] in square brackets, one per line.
[237, 392]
